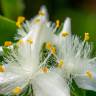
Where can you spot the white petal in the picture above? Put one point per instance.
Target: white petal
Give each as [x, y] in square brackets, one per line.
[32, 28]
[55, 40]
[67, 25]
[43, 18]
[64, 43]
[43, 9]
[24, 59]
[86, 82]
[9, 81]
[50, 84]
[45, 35]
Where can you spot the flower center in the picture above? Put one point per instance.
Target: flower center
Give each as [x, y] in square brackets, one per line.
[70, 68]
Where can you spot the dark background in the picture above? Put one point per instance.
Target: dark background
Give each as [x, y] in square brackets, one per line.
[81, 12]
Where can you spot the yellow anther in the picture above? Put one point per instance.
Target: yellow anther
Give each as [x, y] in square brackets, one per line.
[86, 38]
[57, 23]
[2, 68]
[30, 41]
[19, 42]
[45, 69]
[53, 50]
[37, 20]
[17, 90]
[60, 64]
[48, 45]
[41, 13]
[20, 20]
[18, 24]
[65, 34]
[89, 74]
[7, 43]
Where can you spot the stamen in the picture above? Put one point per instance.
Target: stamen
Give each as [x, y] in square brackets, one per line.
[7, 43]
[48, 45]
[18, 24]
[20, 20]
[64, 34]
[37, 20]
[41, 13]
[86, 38]
[89, 74]
[60, 64]
[45, 69]
[57, 23]
[30, 41]
[2, 68]
[53, 50]
[20, 42]
[17, 90]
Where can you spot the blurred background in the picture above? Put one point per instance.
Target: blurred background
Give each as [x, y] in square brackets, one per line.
[81, 12]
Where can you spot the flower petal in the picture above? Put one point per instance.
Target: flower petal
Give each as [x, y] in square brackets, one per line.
[9, 81]
[50, 84]
[67, 25]
[87, 82]
[31, 28]
[65, 37]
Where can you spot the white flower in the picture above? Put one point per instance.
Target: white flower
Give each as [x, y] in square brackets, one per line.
[39, 29]
[74, 58]
[24, 66]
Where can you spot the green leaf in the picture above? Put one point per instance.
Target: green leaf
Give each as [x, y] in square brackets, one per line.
[27, 91]
[12, 8]
[75, 91]
[7, 29]
[90, 93]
